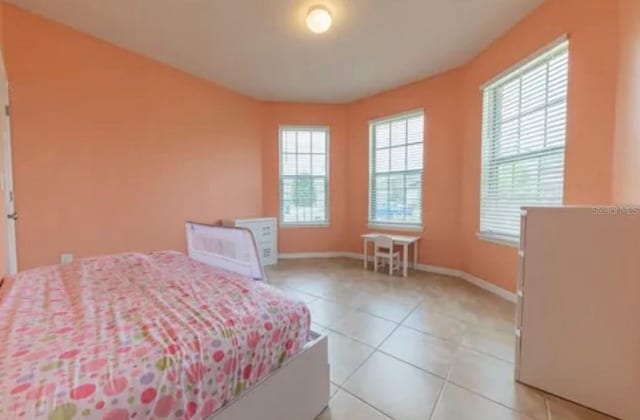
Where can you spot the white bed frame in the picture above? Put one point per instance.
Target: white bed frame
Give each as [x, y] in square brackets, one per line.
[299, 389]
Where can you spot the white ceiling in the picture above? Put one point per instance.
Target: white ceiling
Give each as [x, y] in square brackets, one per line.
[262, 48]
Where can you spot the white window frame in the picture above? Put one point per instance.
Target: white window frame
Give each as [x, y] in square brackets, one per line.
[516, 71]
[310, 128]
[390, 225]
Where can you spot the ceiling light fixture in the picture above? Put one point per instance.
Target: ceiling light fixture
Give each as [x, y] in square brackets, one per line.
[319, 19]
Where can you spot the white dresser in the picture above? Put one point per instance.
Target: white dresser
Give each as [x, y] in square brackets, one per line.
[265, 232]
[579, 306]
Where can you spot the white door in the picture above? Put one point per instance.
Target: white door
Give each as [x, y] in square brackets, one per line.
[7, 175]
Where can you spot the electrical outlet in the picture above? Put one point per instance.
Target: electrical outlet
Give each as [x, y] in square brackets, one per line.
[66, 258]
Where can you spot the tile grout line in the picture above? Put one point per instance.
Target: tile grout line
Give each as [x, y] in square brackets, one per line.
[340, 386]
[546, 413]
[401, 323]
[411, 364]
[375, 350]
[438, 400]
[461, 344]
[434, 410]
[467, 326]
[358, 309]
[397, 324]
[365, 402]
[355, 308]
[446, 380]
[484, 397]
[493, 356]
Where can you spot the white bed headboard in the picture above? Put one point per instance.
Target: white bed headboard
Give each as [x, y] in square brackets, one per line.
[230, 248]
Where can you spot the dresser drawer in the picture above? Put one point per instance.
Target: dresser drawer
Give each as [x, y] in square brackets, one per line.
[265, 234]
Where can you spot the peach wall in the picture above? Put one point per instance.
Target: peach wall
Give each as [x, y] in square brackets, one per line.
[310, 239]
[440, 98]
[592, 29]
[626, 166]
[453, 111]
[1, 24]
[114, 152]
[68, 87]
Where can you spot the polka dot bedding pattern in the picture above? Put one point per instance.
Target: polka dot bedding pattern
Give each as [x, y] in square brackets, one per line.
[138, 336]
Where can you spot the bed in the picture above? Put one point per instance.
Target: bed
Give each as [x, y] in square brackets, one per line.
[155, 335]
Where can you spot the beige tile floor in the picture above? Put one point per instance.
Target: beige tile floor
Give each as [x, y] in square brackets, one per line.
[422, 347]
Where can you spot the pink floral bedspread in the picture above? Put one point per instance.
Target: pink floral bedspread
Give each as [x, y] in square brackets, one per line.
[138, 336]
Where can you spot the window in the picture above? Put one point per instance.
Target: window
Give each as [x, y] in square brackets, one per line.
[395, 190]
[304, 170]
[524, 130]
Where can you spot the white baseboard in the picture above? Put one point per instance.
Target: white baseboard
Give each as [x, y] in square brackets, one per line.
[303, 255]
[356, 256]
[489, 287]
[445, 271]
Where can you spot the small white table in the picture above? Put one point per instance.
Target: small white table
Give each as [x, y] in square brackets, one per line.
[405, 241]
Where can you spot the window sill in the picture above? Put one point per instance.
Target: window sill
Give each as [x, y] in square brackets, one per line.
[497, 239]
[397, 228]
[304, 225]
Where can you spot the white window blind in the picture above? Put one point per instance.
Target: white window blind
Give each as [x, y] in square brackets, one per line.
[395, 191]
[524, 130]
[304, 170]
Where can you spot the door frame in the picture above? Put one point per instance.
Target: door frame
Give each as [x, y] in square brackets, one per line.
[7, 175]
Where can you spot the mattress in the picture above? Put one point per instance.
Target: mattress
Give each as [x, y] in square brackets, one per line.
[137, 336]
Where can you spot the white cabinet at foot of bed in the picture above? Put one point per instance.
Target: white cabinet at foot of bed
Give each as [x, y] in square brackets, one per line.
[265, 233]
